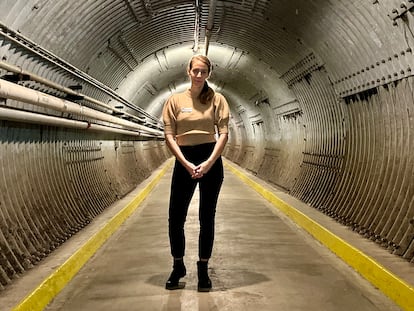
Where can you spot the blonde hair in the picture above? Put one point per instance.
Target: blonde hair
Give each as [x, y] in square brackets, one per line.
[207, 92]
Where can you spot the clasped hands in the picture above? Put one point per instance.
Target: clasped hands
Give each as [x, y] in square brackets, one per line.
[199, 171]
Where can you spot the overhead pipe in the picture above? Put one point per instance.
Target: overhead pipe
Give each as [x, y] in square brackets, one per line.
[196, 26]
[36, 118]
[21, 40]
[210, 24]
[36, 78]
[23, 94]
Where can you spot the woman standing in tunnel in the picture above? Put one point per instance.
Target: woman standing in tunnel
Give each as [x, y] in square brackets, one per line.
[196, 131]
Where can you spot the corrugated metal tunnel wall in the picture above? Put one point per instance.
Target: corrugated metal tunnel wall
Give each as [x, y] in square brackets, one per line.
[320, 92]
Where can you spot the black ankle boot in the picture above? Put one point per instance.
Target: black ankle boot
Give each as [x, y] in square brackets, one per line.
[204, 282]
[178, 272]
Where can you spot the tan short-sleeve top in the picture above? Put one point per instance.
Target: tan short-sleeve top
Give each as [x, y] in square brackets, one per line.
[192, 122]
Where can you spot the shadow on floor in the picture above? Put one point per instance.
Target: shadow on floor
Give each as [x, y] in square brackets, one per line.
[222, 280]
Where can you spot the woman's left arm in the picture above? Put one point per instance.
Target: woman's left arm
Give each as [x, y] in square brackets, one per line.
[205, 166]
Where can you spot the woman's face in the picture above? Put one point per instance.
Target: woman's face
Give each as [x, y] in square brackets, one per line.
[198, 73]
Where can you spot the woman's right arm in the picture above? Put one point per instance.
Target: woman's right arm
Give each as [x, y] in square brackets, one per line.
[176, 151]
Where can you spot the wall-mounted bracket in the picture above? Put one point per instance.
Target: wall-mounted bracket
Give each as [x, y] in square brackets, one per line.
[399, 12]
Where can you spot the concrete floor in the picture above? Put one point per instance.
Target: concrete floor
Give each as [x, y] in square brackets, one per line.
[261, 261]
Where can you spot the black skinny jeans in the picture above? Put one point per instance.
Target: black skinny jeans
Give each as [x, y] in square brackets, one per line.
[182, 190]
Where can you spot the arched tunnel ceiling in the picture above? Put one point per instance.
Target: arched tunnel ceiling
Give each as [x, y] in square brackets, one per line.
[320, 91]
[141, 47]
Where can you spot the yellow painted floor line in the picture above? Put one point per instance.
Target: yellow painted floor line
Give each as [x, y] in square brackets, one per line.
[396, 289]
[392, 286]
[49, 288]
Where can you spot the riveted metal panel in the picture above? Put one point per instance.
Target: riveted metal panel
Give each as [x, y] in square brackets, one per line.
[54, 182]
